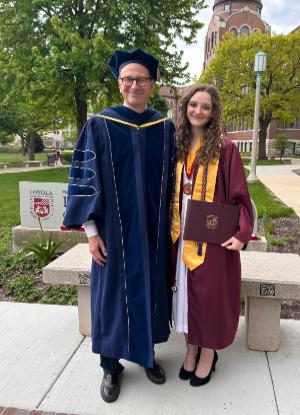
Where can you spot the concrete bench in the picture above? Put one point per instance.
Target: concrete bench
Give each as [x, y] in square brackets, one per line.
[33, 163]
[5, 165]
[267, 279]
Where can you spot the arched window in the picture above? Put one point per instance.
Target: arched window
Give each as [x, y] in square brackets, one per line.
[244, 31]
[256, 30]
[208, 44]
[234, 31]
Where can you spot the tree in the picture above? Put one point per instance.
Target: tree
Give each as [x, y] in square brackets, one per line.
[281, 143]
[158, 103]
[26, 108]
[232, 70]
[65, 44]
[8, 123]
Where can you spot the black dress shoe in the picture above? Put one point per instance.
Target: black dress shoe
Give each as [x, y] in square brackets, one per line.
[187, 374]
[110, 387]
[196, 381]
[156, 374]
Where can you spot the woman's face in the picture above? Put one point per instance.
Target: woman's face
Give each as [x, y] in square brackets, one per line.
[199, 109]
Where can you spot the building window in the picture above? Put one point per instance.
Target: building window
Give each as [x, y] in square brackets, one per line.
[292, 124]
[256, 30]
[226, 7]
[245, 90]
[234, 31]
[213, 39]
[244, 31]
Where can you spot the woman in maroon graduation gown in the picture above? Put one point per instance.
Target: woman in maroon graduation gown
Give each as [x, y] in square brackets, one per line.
[206, 299]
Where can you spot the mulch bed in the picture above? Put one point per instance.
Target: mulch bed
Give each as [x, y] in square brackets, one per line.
[288, 227]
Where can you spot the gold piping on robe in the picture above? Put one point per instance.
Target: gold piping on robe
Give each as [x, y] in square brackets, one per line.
[190, 250]
[148, 124]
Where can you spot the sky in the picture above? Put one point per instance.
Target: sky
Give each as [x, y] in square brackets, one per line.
[281, 15]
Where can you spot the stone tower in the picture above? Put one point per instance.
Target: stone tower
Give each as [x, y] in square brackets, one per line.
[240, 17]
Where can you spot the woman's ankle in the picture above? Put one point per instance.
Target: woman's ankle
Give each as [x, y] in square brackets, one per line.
[191, 350]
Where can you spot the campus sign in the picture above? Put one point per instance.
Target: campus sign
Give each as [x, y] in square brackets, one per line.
[44, 200]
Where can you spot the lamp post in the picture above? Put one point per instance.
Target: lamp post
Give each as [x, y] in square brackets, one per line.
[259, 68]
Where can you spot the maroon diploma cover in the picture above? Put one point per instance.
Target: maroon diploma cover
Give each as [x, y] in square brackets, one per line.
[210, 222]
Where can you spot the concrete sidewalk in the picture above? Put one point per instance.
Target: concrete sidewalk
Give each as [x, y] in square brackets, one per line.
[283, 182]
[48, 366]
[27, 169]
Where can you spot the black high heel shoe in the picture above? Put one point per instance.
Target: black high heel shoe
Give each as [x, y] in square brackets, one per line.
[196, 381]
[187, 374]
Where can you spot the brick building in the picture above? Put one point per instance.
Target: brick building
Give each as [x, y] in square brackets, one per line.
[236, 16]
[242, 18]
[172, 96]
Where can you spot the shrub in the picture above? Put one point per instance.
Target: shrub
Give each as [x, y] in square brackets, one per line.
[10, 149]
[44, 250]
[60, 294]
[67, 157]
[23, 288]
[19, 261]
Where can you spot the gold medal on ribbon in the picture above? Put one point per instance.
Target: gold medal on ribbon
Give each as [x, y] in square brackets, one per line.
[187, 188]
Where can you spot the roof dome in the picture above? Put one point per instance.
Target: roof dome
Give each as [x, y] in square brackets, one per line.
[219, 2]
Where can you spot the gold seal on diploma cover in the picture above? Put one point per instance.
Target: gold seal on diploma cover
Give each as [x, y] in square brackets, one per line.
[212, 222]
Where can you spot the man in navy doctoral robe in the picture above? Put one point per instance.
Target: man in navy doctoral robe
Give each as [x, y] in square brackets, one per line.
[120, 190]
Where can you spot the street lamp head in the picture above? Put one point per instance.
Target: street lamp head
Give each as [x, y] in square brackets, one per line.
[260, 62]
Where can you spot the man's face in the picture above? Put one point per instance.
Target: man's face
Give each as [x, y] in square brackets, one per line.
[137, 94]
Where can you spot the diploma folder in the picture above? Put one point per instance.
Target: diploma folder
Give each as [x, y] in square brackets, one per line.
[210, 222]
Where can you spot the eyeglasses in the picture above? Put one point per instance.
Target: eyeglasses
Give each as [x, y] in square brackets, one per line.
[128, 81]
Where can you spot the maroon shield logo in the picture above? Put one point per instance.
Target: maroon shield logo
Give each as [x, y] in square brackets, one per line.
[41, 204]
[41, 207]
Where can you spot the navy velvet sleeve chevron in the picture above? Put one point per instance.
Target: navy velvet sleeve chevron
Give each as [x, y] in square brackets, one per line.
[84, 190]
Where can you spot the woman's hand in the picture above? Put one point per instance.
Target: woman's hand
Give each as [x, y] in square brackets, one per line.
[98, 249]
[233, 244]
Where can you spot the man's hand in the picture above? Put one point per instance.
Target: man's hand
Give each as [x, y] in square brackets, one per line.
[233, 244]
[97, 249]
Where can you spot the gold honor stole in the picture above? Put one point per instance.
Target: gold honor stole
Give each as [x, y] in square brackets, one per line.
[148, 124]
[190, 250]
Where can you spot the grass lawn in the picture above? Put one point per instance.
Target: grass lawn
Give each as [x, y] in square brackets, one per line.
[17, 159]
[10, 201]
[9, 207]
[270, 162]
[264, 200]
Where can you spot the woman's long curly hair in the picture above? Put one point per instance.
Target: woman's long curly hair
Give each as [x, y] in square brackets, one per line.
[212, 137]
